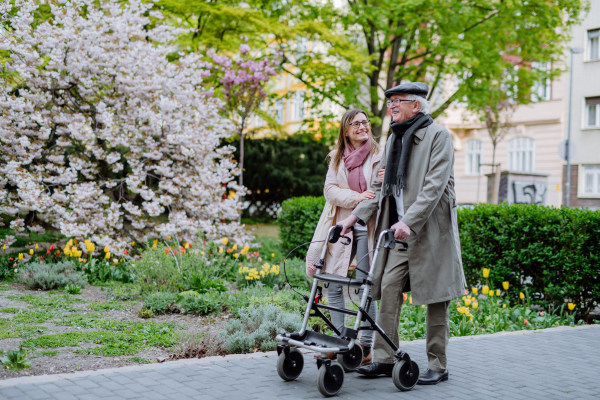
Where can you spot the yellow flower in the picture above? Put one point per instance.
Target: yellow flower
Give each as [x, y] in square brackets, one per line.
[505, 285]
[36, 246]
[262, 273]
[486, 272]
[106, 249]
[410, 300]
[220, 250]
[133, 244]
[115, 261]
[503, 305]
[31, 251]
[107, 255]
[464, 297]
[236, 255]
[498, 292]
[571, 306]
[67, 251]
[485, 290]
[234, 247]
[225, 241]
[186, 245]
[3, 247]
[475, 304]
[169, 237]
[491, 293]
[75, 241]
[20, 256]
[245, 250]
[248, 278]
[474, 290]
[469, 297]
[202, 253]
[240, 270]
[70, 243]
[467, 302]
[154, 245]
[155, 242]
[521, 295]
[272, 255]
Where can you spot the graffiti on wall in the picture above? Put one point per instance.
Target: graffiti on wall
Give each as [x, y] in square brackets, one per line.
[529, 193]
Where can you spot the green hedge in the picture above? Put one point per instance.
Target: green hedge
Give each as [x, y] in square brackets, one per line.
[551, 254]
[297, 222]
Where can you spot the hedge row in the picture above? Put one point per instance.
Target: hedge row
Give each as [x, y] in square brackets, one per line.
[551, 254]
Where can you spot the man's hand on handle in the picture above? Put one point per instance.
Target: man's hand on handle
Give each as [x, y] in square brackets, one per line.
[347, 223]
[401, 230]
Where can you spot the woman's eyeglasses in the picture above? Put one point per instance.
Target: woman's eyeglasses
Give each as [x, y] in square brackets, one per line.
[358, 123]
[396, 102]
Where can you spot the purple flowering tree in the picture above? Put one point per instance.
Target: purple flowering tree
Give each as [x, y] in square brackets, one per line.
[241, 81]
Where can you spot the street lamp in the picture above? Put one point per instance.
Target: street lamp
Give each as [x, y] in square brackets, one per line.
[573, 50]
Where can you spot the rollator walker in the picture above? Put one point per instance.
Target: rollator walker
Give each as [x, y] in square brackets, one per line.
[330, 376]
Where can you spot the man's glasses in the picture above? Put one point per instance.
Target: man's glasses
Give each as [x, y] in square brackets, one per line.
[396, 102]
[358, 123]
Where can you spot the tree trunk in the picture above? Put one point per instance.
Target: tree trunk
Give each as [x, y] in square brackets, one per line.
[494, 173]
[241, 181]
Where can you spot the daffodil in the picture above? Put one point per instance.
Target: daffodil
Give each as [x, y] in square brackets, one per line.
[153, 245]
[234, 247]
[69, 243]
[236, 255]
[464, 297]
[467, 302]
[571, 306]
[485, 290]
[491, 293]
[486, 272]
[505, 285]
[155, 241]
[75, 241]
[475, 304]
[521, 295]
[498, 292]
[474, 290]
[225, 241]
[220, 250]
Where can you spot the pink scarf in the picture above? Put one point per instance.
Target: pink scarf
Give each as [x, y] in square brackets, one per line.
[353, 160]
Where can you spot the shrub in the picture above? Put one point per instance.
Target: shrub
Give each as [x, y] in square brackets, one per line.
[191, 302]
[7, 267]
[295, 269]
[104, 271]
[297, 222]
[553, 254]
[48, 276]
[257, 327]
[159, 302]
[157, 270]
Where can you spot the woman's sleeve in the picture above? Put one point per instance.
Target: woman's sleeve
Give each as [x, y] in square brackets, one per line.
[345, 198]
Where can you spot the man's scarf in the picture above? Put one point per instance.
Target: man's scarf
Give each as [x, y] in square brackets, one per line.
[394, 179]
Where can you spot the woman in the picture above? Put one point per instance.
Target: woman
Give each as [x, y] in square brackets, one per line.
[353, 165]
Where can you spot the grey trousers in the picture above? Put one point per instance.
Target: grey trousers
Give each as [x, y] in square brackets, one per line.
[395, 274]
[335, 293]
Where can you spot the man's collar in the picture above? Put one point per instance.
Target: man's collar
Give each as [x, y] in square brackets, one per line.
[420, 133]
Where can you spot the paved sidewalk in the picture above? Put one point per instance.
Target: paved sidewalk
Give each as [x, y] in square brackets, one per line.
[559, 363]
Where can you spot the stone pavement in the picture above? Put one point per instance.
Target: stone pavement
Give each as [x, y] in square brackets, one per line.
[558, 363]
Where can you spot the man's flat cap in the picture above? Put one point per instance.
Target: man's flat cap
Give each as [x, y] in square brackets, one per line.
[418, 88]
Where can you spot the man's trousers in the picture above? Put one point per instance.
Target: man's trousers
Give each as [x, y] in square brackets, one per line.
[395, 275]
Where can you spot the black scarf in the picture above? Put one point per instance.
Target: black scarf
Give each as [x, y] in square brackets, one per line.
[394, 179]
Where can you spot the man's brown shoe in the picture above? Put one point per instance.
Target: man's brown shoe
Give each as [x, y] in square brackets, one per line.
[367, 359]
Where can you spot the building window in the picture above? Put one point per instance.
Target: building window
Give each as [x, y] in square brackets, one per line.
[591, 180]
[474, 156]
[299, 109]
[593, 44]
[521, 154]
[279, 111]
[592, 112]
[541, 90]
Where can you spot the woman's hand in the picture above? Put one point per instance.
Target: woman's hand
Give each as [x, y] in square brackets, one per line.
[380, 174]
[366, 195]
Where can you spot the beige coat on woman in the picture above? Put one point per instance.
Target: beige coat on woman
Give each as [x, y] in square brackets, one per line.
[338, 192]
[434, 259]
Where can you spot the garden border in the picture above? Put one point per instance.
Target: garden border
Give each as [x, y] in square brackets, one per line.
[232, 357]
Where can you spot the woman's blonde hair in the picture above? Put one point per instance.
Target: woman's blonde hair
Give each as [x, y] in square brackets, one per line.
[343, 140]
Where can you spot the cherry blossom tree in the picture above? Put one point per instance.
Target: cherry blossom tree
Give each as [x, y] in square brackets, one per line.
[101, 137]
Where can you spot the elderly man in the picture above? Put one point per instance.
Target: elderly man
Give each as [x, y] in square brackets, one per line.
[417, 200]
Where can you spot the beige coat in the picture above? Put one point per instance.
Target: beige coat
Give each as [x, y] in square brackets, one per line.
[338, 192]
[434, 259]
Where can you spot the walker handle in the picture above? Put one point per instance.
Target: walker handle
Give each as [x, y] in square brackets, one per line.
[390, 241]
[335, 235]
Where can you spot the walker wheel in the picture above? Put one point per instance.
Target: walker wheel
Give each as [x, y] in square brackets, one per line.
[403, 377]
[352, 359]
[290, 367]
[330, 385]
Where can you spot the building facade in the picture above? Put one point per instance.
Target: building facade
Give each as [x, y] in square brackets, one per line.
[585, 112]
